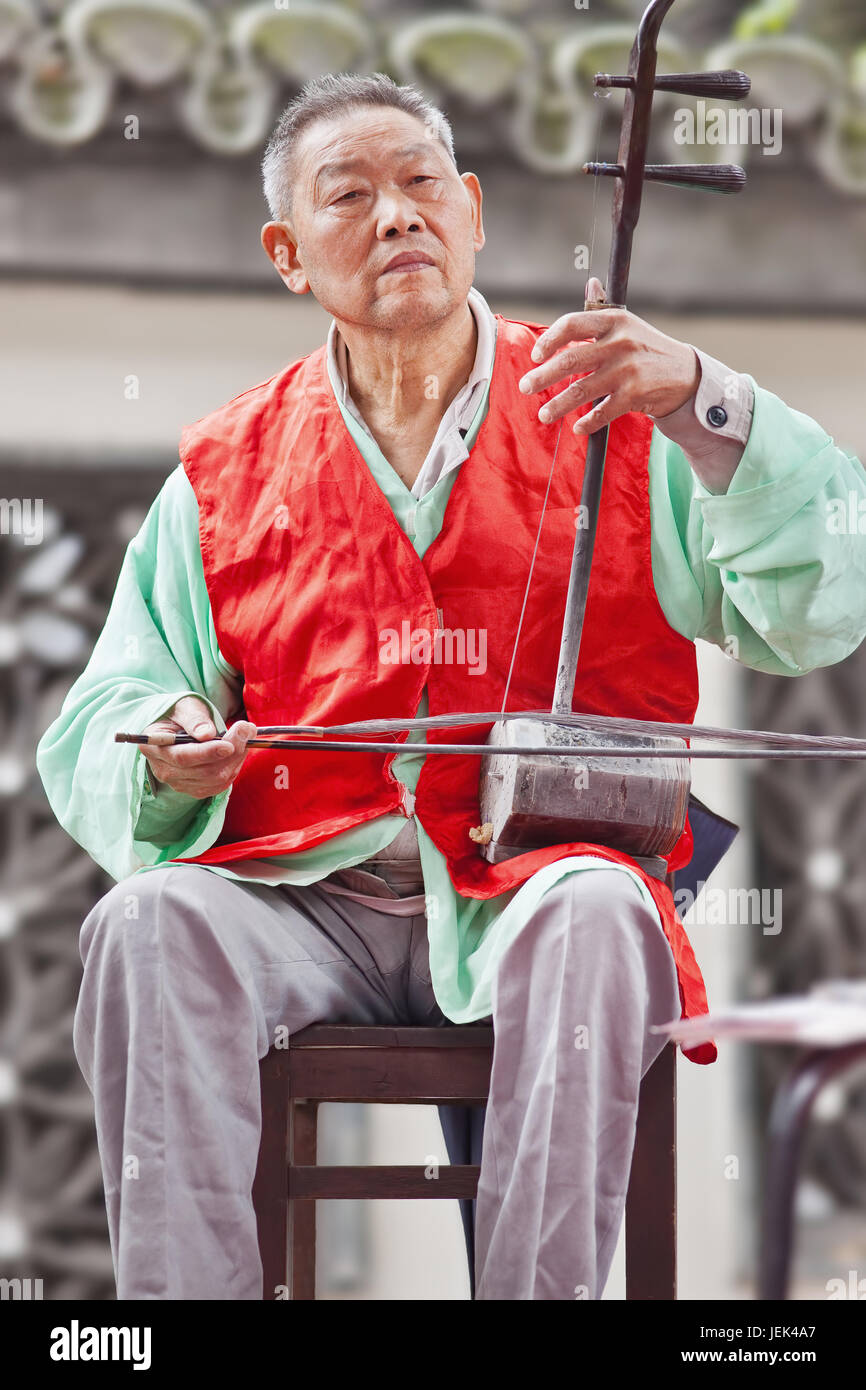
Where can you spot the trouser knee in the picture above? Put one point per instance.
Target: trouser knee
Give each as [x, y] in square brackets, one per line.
[130, 915]
[587, 904]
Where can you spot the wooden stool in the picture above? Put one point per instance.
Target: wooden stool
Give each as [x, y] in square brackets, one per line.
[426, 1066]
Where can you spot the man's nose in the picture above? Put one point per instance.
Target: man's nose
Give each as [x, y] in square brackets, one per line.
[398, 215]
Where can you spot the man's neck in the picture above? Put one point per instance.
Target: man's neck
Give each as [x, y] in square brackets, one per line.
[405, 382]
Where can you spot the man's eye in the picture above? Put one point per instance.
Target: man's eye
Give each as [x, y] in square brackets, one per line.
[353, 193]
[423, 178]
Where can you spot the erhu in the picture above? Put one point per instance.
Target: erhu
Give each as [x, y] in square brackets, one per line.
[637, 805]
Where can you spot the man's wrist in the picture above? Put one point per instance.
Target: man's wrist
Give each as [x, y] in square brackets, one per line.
[712, 428]
[720, 408]
[688, 382]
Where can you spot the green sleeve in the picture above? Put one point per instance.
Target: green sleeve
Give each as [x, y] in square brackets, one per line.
[158, 644]
[771, 571]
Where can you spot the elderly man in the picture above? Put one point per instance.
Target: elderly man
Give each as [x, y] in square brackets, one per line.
[322, 528]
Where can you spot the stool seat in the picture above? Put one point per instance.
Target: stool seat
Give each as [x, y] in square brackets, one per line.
[403, 1066]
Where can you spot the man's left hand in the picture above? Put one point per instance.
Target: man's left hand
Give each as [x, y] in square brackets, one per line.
[630, 364]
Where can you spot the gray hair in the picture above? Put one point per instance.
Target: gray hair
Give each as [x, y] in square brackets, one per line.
[332, 95]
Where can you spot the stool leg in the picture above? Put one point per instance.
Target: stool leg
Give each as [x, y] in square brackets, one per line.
[303, 1139]
[651, 1202]
[270, 1197]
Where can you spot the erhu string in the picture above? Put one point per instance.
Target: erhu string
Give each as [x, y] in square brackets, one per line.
[532, 566]
[597, 93]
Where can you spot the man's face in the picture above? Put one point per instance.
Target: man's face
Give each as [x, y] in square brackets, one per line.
[372, 187]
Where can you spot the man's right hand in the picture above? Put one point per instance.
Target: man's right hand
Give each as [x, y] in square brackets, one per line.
[199, 771]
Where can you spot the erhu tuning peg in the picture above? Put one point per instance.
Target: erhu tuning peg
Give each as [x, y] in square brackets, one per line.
[716, 178]
[730, 84]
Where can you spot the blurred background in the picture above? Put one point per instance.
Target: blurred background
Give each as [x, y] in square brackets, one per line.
[135, 297]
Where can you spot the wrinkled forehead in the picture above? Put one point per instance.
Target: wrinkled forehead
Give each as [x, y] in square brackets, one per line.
[363, 138]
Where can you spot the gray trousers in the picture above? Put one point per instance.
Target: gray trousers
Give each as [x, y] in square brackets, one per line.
[187, 975]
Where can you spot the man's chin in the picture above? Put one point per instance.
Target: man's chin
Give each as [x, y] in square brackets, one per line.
[415, 305]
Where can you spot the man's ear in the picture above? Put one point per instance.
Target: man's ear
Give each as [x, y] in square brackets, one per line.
[473, 188]
[282, 249]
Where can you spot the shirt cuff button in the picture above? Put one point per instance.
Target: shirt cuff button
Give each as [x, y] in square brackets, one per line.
[717, 416]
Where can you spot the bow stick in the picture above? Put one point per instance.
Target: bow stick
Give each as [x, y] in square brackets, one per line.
[758, 743]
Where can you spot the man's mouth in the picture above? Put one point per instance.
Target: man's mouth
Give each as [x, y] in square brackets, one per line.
[408, 261]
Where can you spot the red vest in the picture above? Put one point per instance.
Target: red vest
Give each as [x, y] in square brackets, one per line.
[320, 599]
